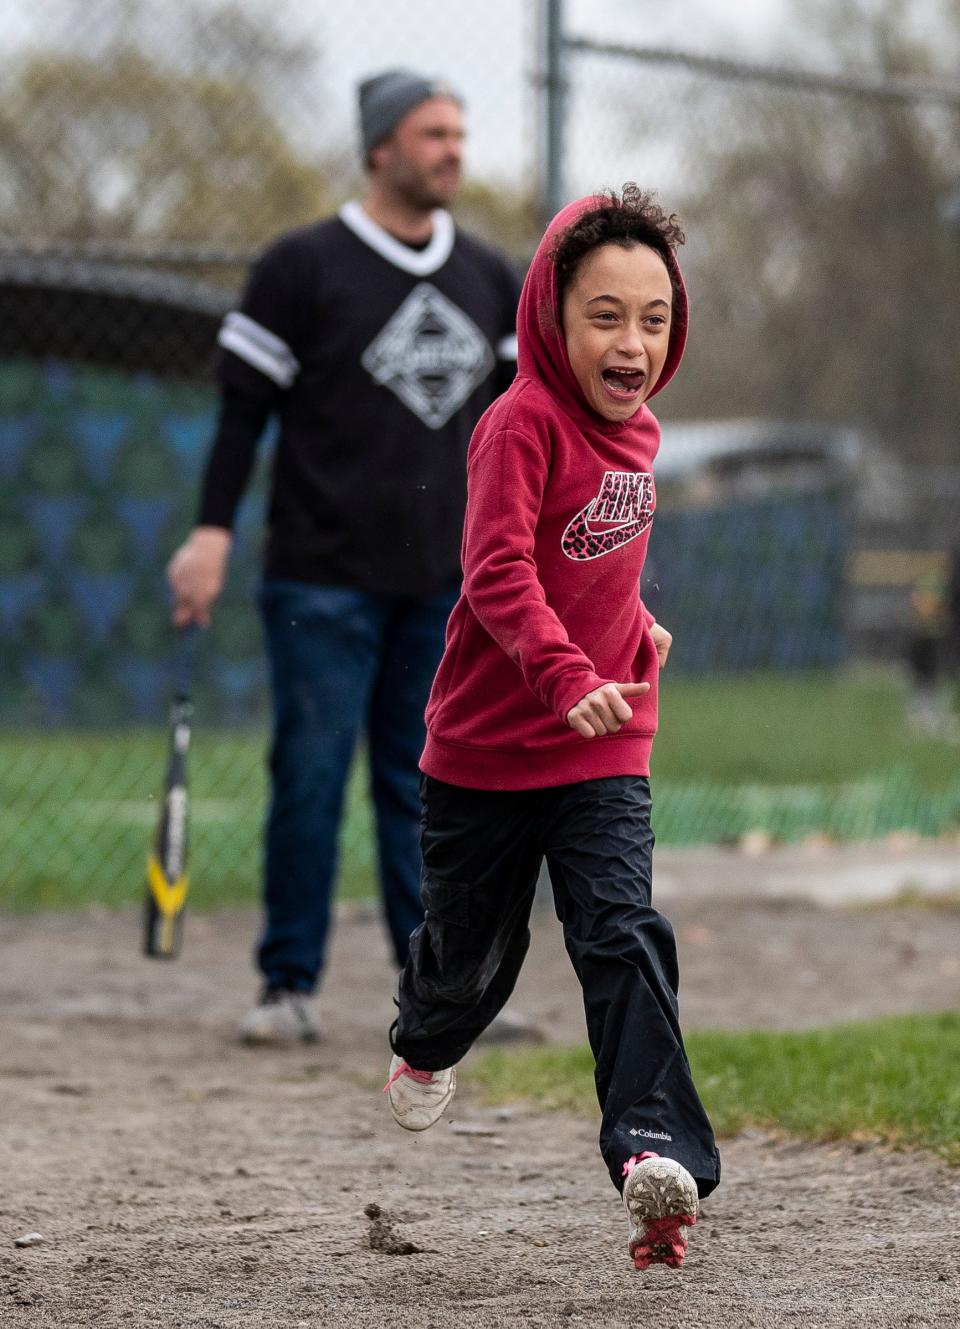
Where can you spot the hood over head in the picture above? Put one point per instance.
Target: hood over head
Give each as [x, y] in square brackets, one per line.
[542, 351]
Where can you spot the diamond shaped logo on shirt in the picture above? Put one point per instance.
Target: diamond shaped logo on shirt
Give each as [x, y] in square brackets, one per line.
[431, 354]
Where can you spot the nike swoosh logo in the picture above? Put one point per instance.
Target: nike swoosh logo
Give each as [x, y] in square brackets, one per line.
[580, 543]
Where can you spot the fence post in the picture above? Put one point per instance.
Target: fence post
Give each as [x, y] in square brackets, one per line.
[554, 94]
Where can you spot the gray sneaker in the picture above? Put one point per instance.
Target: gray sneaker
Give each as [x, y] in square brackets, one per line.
[280, 1016]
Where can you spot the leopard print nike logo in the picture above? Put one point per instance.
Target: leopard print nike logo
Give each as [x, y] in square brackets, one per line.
[625, 506]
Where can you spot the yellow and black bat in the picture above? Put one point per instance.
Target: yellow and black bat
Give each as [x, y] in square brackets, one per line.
[167, 863]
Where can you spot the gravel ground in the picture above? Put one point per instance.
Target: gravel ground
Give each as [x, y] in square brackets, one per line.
[178, 1179]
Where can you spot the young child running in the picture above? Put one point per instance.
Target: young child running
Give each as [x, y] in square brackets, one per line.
[543, 712]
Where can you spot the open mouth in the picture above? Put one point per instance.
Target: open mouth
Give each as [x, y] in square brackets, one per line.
[624, 384]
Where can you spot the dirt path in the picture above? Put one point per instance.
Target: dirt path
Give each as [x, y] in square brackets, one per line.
[180, 1180]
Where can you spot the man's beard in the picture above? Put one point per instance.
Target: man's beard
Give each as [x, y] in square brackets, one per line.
[422, 193]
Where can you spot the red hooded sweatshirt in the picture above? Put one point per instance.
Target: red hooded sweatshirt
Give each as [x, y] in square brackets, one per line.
[559, 507]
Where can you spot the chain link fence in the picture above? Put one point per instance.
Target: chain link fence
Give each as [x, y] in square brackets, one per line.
[147, 154]
[823, 259]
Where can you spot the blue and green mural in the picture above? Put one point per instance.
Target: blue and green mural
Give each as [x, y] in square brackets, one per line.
[99, 474]
[752, 585]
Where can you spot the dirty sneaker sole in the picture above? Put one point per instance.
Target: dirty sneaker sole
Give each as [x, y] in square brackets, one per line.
[661, 1199]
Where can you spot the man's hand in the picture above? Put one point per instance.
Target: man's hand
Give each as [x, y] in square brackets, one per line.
[196, 575]
[605, 710]
[662, 640]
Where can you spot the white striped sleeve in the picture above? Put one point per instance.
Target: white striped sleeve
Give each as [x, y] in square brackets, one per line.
[507, 347]
[259, 347]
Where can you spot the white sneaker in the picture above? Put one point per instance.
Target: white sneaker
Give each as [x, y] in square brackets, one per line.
[280, 1016]
[661, 1201]
[418, 1098]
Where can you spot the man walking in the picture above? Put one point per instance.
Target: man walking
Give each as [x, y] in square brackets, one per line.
[378, 337]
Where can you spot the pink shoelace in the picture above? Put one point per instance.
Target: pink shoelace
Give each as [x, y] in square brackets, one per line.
[659, 1233]
[421, 1077]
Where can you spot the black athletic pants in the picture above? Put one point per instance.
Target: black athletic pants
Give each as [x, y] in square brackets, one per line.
[482, 852]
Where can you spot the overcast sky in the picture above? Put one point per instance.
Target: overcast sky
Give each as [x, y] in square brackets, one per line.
[490, 49]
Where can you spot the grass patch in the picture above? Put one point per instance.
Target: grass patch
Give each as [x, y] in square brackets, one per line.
[796, 729]
[78, 811]
[893, 1079]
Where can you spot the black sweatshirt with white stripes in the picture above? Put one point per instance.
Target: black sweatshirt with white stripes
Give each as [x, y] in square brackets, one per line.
[377, 359]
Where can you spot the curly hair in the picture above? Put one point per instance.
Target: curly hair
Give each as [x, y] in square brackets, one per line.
[633, 217]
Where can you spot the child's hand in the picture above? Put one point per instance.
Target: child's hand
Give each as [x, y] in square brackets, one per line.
[605, 710]
[662, 640]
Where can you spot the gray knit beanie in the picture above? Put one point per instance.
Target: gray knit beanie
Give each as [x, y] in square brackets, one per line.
[386, 98]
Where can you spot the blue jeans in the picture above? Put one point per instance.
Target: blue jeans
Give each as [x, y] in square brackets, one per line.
[342, 662]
